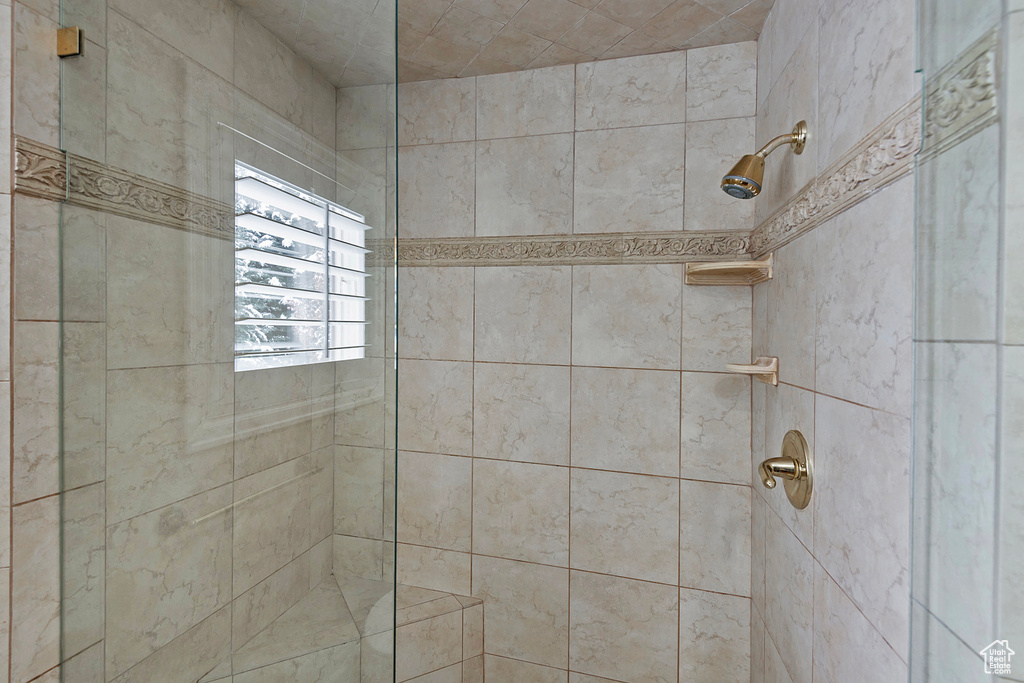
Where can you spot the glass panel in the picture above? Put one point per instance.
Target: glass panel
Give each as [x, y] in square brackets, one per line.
[228, 398]
[968, 604]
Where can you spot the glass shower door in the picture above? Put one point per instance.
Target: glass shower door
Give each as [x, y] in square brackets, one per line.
[227, 361]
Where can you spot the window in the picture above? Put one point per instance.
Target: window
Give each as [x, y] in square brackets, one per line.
[300, 275]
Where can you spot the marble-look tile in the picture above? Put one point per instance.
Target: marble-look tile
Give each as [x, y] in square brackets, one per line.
[193, 654]
[201, 29]
[626, 420]
[637, 91]
[5, 288]
[862, 513]
[83, 255]
[170, 298]
[758, 552]
[790, 21]
[435, 406]
[472, 632]
[322, 408]
[271, 521]
[338, 663]
[788, 408]
[258, 607]
[167, 570]
[716, 327]
[158, 124]
[623, 628]
[499, 10]
[473, 670]
[712, 147]
[958, 242]
[360, 401]
[1013, 160]
[435, 494]
[941, 655]
[865, 70]
[526, 613]
[714, 550]
[36, 415]
[436, 313]
[680, 21]
[721, 81]
[793, 98]
[533, 102]
[956, 475]
[521, 412]
[715, 428]
[358, 557]
[524, 186]
[359, 491]
[789, 612]
[321, 495]
[523, 314]
[714, 636]
[548, 19]
[36, 259]
[626, 525]
[643, 331]
[434, 112]
[757, 647]
[466, 29]
[82, 568]
[273, 417]
[764, 62]
[629, 179]
[436, 193]
[321, 562]
[790, 312]
[864, 283]
[37, 88]
[946, 29]
[442, 570]
[87, 666]
[169, 435]
[444, 58]
[846, 646]
[5, 478]
[34, 589]
[514, 47]
[636, 43]
[1009, 619]
[521, 511]
[582, 678]
[83, 82]
[428, 645]
[364, 117]
[505, 670]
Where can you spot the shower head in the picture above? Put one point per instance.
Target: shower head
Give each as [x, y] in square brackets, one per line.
[745, 178]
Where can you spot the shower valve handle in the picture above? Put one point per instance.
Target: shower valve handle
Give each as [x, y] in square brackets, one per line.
[784, 467]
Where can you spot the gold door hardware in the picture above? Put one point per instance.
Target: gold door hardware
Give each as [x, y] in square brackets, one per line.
[729, 273]
[794, 467]
[765, 369]
[70, 41]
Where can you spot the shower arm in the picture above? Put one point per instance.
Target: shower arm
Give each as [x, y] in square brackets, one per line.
[796, 138]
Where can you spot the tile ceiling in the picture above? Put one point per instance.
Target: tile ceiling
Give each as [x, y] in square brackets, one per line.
[442, 39]
[351, 42]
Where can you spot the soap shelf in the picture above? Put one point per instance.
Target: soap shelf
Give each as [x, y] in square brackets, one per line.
[729, 273]
[764, 369]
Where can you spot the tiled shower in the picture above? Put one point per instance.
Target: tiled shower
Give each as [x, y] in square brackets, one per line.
[439, 399]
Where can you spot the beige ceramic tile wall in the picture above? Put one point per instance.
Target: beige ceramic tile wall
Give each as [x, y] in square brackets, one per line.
[830, 584]
[156, 341]
[570, 450]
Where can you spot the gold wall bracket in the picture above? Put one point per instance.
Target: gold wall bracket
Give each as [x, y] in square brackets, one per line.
[70, 42]
[764, 369]
[729, 273]
[794, 467]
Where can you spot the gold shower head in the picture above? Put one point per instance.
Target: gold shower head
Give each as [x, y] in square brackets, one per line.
[745, 178]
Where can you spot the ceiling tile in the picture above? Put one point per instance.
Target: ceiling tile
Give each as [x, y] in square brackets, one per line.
[422, 15]
[513, 46]
[635, 44]
[466, 29]
[409, 72]
[724, 6]
[594, 35]
[548, 18]
[724, 32]
[680, 22]
[499, 10]
[753, 15]
[444, 57]
[409, 40]
[558, 55]
[633, 13]
[482, 66]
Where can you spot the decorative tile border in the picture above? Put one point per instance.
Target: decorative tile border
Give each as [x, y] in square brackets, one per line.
[960, 101]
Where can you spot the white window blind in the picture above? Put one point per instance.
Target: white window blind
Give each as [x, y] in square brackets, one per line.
[300, 275]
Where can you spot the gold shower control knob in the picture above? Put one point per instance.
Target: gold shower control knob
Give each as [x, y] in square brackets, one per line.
[794, 467]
